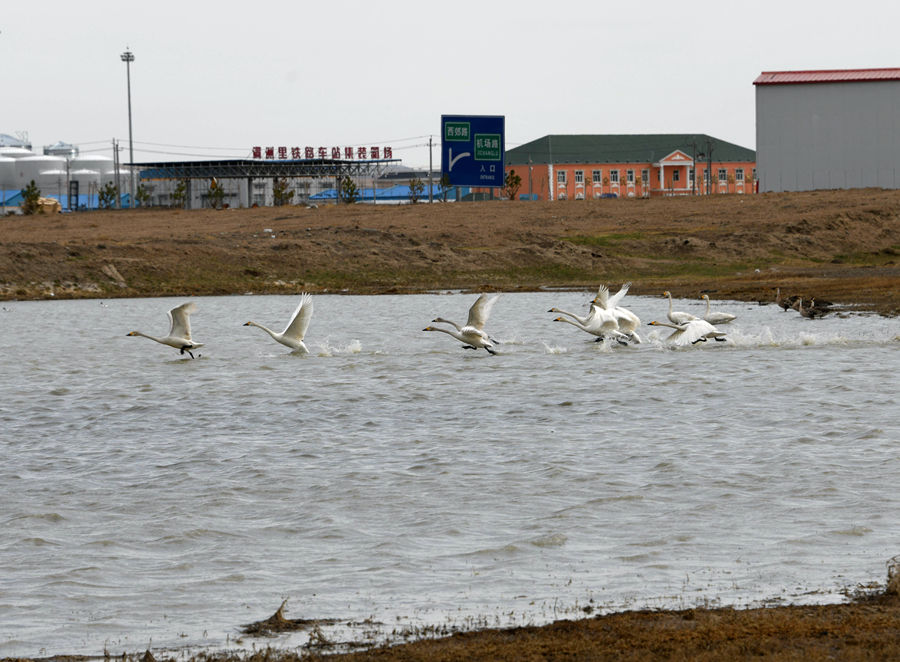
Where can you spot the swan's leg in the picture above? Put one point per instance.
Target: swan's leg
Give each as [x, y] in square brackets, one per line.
[622, 342]
[718, 339]
[186, 349]
[469, 347]
[700, 339]
[490, 351]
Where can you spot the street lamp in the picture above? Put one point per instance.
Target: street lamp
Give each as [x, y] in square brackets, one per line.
[128, 58]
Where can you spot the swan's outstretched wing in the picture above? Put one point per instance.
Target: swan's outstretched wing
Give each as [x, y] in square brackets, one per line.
[480, 310]
[180, 320]
[602, 298]
[616, 298]
[694, 330]
[296, 328]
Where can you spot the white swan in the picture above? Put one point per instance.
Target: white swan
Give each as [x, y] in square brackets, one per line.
[691, 332]
[472, 335]
[627, 320]
[470, 338]
[675, 316]
[601, 323]
[716, 317]
[294, 332]
[179, 329]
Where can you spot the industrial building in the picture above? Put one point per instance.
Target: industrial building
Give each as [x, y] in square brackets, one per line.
[575, 167]
[57, 171]
[829, 129]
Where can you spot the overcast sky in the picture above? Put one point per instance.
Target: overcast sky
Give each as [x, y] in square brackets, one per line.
[213, 80]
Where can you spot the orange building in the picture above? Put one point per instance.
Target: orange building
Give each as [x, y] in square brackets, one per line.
[576, 167]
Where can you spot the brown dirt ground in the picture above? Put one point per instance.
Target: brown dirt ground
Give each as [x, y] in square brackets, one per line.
[840, 246]
[835, 245]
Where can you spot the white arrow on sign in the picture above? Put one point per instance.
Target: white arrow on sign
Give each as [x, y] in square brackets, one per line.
[454, 160]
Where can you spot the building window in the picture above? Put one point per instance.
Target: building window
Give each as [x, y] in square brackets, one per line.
[754, 174]
[597, 176]
[614, 176]
[560, 176]
[739, 175]
[629, 176]
[645, 177]
[690, 175]
[676, 175]
[579, 176]
[723, 175]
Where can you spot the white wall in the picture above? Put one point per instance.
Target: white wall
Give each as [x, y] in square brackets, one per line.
[828, 136]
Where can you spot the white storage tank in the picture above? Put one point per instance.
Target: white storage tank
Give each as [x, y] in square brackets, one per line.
[15, 152]
[88, 180]
[7, 173]
[52, 181]
[31, 167]
[96, 162]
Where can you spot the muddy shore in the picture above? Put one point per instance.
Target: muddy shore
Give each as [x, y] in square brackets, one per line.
[841, 246]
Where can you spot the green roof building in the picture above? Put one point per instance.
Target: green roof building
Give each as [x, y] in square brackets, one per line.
[559, 167]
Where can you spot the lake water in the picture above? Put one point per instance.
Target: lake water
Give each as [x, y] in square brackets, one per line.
[394, 479]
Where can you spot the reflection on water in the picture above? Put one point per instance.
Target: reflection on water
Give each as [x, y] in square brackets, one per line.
[392, 475]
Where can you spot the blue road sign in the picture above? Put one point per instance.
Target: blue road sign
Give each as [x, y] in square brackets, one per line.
[472, 150]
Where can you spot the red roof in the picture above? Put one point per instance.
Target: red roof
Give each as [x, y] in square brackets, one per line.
[826, 76]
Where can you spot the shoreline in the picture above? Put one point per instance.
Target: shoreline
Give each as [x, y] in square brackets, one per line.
[840, 246]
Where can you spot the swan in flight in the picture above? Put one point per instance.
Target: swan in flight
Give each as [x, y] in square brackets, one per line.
[691, 332]
[601, 329]
[179, 329]
[472, 334]
[293, 333]
[716, 317]
[675, 316]
[600, 322]
[628, 322]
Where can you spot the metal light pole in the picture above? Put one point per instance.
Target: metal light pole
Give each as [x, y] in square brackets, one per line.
[128, 58]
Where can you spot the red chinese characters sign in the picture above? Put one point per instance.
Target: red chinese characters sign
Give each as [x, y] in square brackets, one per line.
[373, 153]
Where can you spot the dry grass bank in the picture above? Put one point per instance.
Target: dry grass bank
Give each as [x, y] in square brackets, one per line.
[836, 245]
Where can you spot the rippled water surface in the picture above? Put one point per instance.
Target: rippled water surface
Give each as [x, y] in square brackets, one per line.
[394, 477]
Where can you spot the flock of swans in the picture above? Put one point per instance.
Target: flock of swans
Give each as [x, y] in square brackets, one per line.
[606, 319]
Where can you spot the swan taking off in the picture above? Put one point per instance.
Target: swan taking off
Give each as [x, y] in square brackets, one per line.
[472, 335]
[675, 316]
[179, 329]
[628, 322]
[691, 332]
[293, 333]
[715, 316]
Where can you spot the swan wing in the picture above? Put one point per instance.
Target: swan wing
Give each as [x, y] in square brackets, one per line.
[627, 320]
[480, 310]
[616, 298]
[296, 328]
[602, 298]
[180, 320]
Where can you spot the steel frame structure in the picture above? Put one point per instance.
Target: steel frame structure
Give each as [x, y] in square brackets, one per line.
[253, 169]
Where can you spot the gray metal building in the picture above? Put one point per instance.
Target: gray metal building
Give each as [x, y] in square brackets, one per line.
[835, 129]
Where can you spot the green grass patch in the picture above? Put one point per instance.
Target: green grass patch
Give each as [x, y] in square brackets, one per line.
[865, 258]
